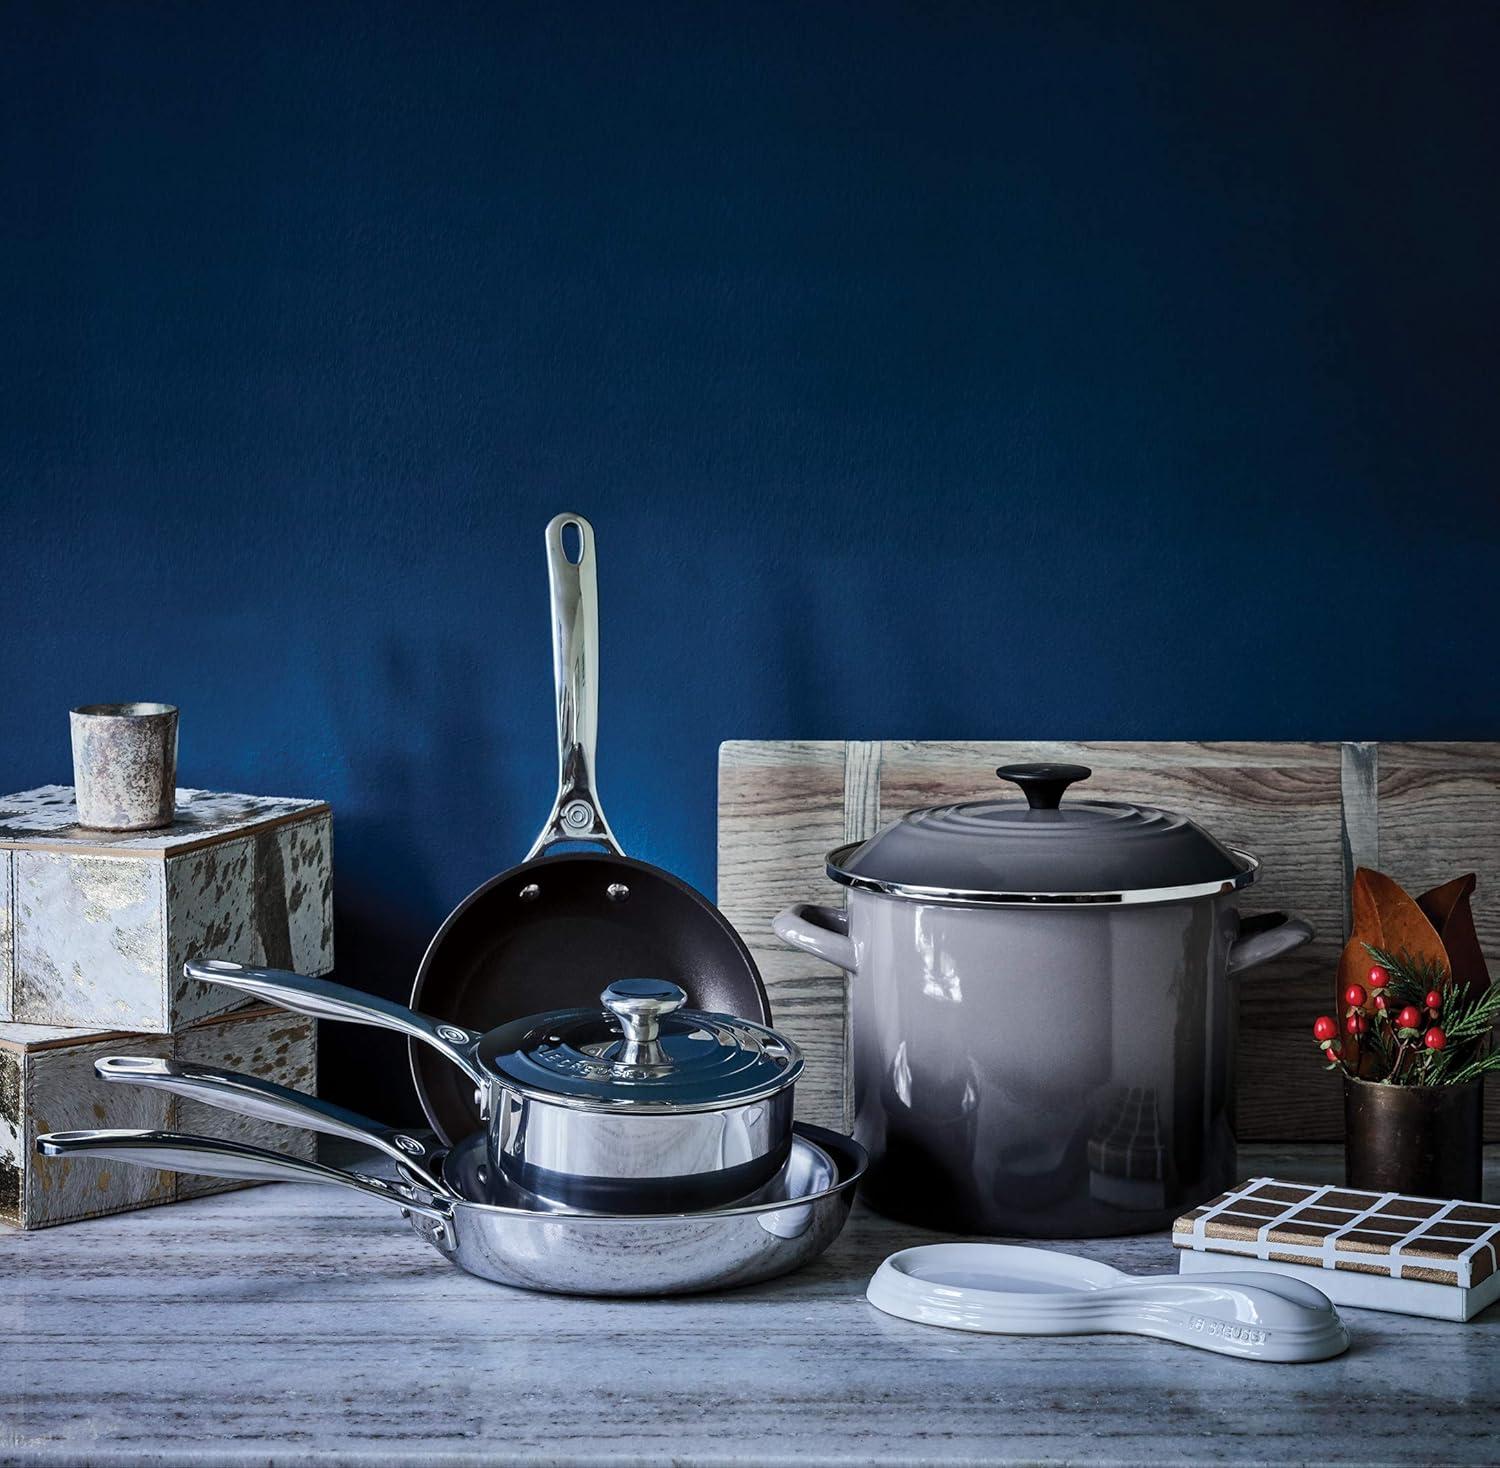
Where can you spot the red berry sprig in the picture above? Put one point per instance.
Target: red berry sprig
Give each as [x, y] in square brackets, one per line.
[1409, 1018]
[1378, 977]
[1434, 1039]
[1324, 1028]
[1433, 1000]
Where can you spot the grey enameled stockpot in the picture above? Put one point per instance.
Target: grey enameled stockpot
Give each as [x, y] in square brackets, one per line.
[1040, 1009]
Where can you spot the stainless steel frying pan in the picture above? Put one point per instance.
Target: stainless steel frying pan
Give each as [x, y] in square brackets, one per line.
[421, 1158]
[567, 1254]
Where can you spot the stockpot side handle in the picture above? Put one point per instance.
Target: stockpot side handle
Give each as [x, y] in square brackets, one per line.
[577, 815]
[263, 1100]
[216, 1157]
[324, 999]
[1266, 936]
[820, 931]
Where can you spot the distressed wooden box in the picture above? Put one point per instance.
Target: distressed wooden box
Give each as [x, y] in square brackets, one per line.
[96, 925]
[47, 1084]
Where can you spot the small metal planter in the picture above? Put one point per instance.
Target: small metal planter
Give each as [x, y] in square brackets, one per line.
[1422, 1140]
[125, 765]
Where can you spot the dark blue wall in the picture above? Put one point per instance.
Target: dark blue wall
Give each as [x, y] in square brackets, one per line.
[926, 369]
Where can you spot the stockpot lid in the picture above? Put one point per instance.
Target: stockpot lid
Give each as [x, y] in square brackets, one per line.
[1046, 850]
[642, 1052]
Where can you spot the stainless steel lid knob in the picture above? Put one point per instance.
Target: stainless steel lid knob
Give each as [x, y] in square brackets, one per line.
[639, 1005]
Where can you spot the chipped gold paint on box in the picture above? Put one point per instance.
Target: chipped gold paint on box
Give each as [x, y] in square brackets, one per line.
[47, 1083]
[96, 925]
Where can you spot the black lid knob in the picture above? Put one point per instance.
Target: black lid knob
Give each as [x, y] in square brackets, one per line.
[1043, 785]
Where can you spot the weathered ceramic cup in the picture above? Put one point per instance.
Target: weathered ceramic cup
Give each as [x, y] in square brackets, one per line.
[125, 765]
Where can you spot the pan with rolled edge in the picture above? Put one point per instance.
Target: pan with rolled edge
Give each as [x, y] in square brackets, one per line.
[550, 933]
[421, 1158]
[558, 1253]
[638, 1106]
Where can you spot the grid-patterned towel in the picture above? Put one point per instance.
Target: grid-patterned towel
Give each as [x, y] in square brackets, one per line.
[1389, 1234]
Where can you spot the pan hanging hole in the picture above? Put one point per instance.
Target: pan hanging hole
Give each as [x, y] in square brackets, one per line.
[530, 892]
[572, 542]
[617, 892]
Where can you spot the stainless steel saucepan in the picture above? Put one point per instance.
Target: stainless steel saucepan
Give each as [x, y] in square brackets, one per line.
[639, 1107]
[561, 1253]
[420, 1155]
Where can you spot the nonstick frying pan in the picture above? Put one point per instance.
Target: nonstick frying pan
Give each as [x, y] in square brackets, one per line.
[551, 933]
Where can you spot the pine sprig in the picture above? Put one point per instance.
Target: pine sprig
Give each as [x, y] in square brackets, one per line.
[1466, 1023]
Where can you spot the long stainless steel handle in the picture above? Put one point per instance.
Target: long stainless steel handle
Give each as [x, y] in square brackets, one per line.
[576, 815]
[323, 999]
[263, 1100]
[213, 1157]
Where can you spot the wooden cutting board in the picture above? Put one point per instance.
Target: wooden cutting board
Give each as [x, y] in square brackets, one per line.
[1312, 812]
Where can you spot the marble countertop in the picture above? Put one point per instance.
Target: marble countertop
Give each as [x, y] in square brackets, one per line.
[293, 1325]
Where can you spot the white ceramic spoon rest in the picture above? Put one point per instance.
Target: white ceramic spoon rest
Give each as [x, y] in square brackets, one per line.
[1004, 1289]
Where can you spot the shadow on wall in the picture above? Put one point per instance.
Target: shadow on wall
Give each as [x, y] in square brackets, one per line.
[430, 785]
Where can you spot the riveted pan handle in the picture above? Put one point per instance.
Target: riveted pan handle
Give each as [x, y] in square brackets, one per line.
[262, 1100]
[323, 999]
[576, 815]
[214, 1157]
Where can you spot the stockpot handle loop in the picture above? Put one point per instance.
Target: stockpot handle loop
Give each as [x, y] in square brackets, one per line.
[820, 931]
[1265, 936]
[262, 1100]
[323, 999]
[216, 1157]
[1044, 785]
[576, 814]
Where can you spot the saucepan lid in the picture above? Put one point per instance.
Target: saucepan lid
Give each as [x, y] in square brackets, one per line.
[641, 1052]
[1043, 850]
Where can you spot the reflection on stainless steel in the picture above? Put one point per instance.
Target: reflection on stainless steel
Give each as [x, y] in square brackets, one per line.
[971, 898]
[416, 1152]
[571, 1254]
[646, 1108]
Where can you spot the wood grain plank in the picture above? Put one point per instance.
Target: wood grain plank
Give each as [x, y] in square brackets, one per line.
[781, 810]
[1439, 816]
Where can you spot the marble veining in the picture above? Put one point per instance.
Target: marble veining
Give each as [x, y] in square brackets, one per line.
[294, 1325]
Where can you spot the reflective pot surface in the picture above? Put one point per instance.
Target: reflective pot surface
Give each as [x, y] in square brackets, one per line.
[680, 1144]
[1055, 1072]
[560, 1253]
[631, 1163]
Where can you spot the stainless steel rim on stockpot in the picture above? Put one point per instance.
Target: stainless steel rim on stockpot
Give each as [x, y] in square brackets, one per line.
[559, 1253]
[641, 1107]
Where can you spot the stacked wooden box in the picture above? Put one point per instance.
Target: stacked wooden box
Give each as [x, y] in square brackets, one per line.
[94, 929]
